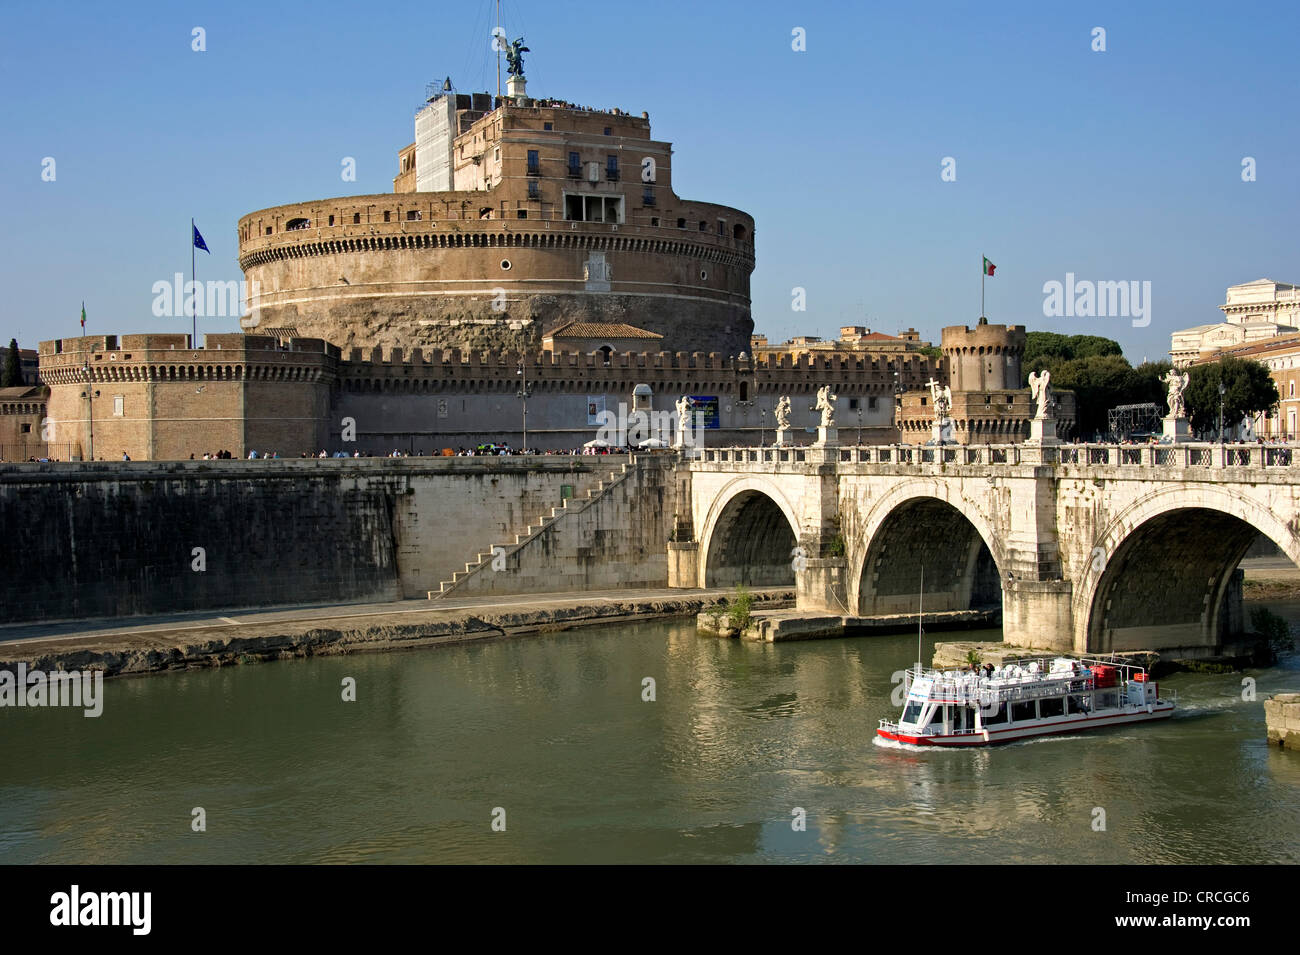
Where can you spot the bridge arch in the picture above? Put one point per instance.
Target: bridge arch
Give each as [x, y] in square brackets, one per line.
[919, 523]
[1158, 577]
[749, 532]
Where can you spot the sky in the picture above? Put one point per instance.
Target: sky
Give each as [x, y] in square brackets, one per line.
[1122, 164]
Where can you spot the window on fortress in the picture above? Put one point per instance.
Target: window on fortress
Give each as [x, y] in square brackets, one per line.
[609, 130]
[654, 222]
[853, 404]
[521, 214]
[387, 216]
[534, 190]
[356, 218]
[611, 168]
[704, 226]
[575, 166]
[871, 404]
[534, 163]
[548, 126]
[681, 223]
[412, 215]
[25, 429]
[648, 196]
[582, 208]
[331, 220]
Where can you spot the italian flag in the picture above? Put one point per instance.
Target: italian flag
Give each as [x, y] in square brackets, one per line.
[988, 267]
[83, 316]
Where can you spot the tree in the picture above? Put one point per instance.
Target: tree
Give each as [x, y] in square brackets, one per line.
[12, 374]
[1248, 390]
[1041, 347]
[1098, 374]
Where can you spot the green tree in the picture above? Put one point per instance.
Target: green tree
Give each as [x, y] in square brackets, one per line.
[1101, 379]
[1043, 347]
[12, 374]
[1248, 389]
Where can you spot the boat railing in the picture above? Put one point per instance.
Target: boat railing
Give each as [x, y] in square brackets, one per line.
[982, 692]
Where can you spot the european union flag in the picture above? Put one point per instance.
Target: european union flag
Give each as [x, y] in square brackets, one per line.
[198, 239]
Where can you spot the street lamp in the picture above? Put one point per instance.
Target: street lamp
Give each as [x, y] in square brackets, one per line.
[898, 404]
[523, 394]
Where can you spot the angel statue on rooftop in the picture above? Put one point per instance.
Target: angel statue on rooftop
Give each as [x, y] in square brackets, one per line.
[515, 57]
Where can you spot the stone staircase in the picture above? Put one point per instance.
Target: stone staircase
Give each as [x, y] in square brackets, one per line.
[570, 505]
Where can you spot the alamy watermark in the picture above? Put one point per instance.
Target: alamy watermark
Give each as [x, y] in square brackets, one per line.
[1088, 299]
[210, 299]
[83, 688]
[632, 428]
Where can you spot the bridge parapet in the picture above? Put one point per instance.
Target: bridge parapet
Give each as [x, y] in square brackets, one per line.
[1232, 461]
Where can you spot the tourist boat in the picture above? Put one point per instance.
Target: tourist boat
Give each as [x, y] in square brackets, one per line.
[1022, 699]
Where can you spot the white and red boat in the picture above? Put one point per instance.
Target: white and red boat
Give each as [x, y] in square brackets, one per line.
[1022, 699]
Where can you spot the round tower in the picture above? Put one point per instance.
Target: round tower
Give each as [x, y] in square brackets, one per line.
[983, 358]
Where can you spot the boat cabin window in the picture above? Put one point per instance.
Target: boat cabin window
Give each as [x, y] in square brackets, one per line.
[1077, 704]
[1051, 706]
[989, 716]
[1022, 711]
[912, 712]
[936, 718]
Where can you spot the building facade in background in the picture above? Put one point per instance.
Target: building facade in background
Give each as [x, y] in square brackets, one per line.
[1253, 312]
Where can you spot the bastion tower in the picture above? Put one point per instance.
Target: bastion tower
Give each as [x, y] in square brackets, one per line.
[509, 217]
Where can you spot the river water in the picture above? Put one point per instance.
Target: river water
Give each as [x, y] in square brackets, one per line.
[553, 729]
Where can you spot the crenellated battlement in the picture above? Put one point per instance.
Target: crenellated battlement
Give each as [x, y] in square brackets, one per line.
[453, 369]
[169, 357]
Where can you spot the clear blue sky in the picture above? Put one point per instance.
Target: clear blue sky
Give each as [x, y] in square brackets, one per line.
[1122, 165]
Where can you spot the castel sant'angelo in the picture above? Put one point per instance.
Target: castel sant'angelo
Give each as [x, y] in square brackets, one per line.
[532, 250]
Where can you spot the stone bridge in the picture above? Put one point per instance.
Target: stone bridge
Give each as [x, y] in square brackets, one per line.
[1090, 548]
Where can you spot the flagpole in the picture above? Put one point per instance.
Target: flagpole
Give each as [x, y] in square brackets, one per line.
[983, 272]
[194, 316]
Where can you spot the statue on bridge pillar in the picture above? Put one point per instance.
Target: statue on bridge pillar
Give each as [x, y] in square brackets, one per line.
[1042, 427]
[782, 420]
[827, 433]
[941, 401]
[1177, 427]
[685, 433]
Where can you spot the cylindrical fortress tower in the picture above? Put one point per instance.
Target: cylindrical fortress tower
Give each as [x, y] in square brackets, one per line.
[554, 214]
[983, 358]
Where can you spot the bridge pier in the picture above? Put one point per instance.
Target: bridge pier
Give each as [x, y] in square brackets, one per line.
[684, 564]
[1038, 614]
[819, 585]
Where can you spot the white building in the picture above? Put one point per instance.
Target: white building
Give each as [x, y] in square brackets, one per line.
[1254, 312]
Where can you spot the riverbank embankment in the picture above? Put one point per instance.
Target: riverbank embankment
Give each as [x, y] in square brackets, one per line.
[284, 634]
